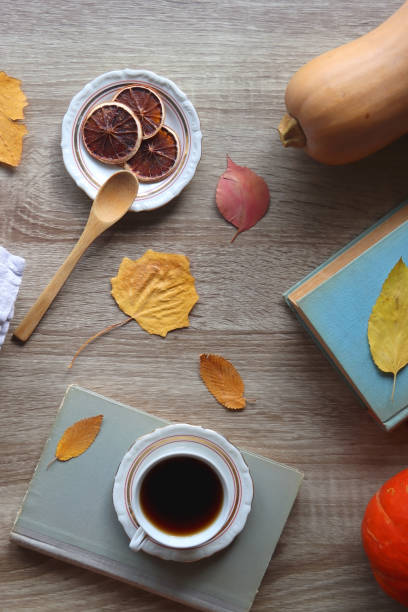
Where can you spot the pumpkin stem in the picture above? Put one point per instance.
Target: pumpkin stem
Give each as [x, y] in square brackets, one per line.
[291, 133]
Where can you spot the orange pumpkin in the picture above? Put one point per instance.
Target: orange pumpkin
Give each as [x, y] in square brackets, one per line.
[353, 100]
[385, 536]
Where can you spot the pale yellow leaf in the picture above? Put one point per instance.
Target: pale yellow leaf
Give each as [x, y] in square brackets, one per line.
[388, 323]
[223, 381]
[157, 290]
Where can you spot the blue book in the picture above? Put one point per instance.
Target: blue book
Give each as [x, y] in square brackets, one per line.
[334, 303]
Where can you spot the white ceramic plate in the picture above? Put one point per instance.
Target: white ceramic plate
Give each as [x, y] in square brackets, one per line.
[175, 434]
[181, 116]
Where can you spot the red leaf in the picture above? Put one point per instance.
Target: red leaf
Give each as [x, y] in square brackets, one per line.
[242, 196]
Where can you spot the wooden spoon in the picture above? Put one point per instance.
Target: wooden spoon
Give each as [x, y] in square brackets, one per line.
[112, 202]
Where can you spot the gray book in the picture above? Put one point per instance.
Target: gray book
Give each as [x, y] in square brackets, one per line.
[68, 513]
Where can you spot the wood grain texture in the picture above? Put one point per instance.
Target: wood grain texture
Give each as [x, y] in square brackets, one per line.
[233, 58]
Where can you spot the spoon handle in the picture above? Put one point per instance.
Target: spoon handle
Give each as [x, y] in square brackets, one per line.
[41, 305]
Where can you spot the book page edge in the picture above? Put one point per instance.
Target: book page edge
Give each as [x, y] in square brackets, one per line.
[356, 248]
[316, 336]
[105, 567]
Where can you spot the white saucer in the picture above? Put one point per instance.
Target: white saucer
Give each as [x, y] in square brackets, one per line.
[174, 434]
[181, 116]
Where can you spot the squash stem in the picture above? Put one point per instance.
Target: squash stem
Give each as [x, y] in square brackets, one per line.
[291, 133]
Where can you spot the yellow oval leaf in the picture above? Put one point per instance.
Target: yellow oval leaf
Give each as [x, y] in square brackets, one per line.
[157, 290]
[78, 438]
[388, 323]
[223, 381]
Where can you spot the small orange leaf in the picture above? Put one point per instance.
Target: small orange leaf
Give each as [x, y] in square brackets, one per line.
[78, 438]
[223, 381]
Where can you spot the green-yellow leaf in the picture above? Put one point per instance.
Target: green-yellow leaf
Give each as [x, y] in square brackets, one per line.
[388, 323]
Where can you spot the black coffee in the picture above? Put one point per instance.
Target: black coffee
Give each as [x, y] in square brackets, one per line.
[181, 495]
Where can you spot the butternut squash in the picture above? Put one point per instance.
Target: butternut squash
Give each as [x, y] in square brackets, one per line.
[353, 100]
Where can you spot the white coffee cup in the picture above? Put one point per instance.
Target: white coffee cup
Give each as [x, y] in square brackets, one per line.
[174, 448]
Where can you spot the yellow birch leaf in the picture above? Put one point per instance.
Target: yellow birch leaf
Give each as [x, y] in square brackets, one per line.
[78, 438]
[388, 323]
[157, 290]
[223, 381]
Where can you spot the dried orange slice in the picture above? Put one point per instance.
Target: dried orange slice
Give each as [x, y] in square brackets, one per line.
[146, 105]
[157, 157]
[111, 133]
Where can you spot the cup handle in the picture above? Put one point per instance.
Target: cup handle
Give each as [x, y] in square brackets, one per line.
[138, 539]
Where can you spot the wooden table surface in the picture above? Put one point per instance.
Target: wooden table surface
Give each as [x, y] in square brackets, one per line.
[233, 59]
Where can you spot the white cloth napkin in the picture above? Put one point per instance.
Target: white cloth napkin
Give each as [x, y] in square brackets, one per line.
[11, 272]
